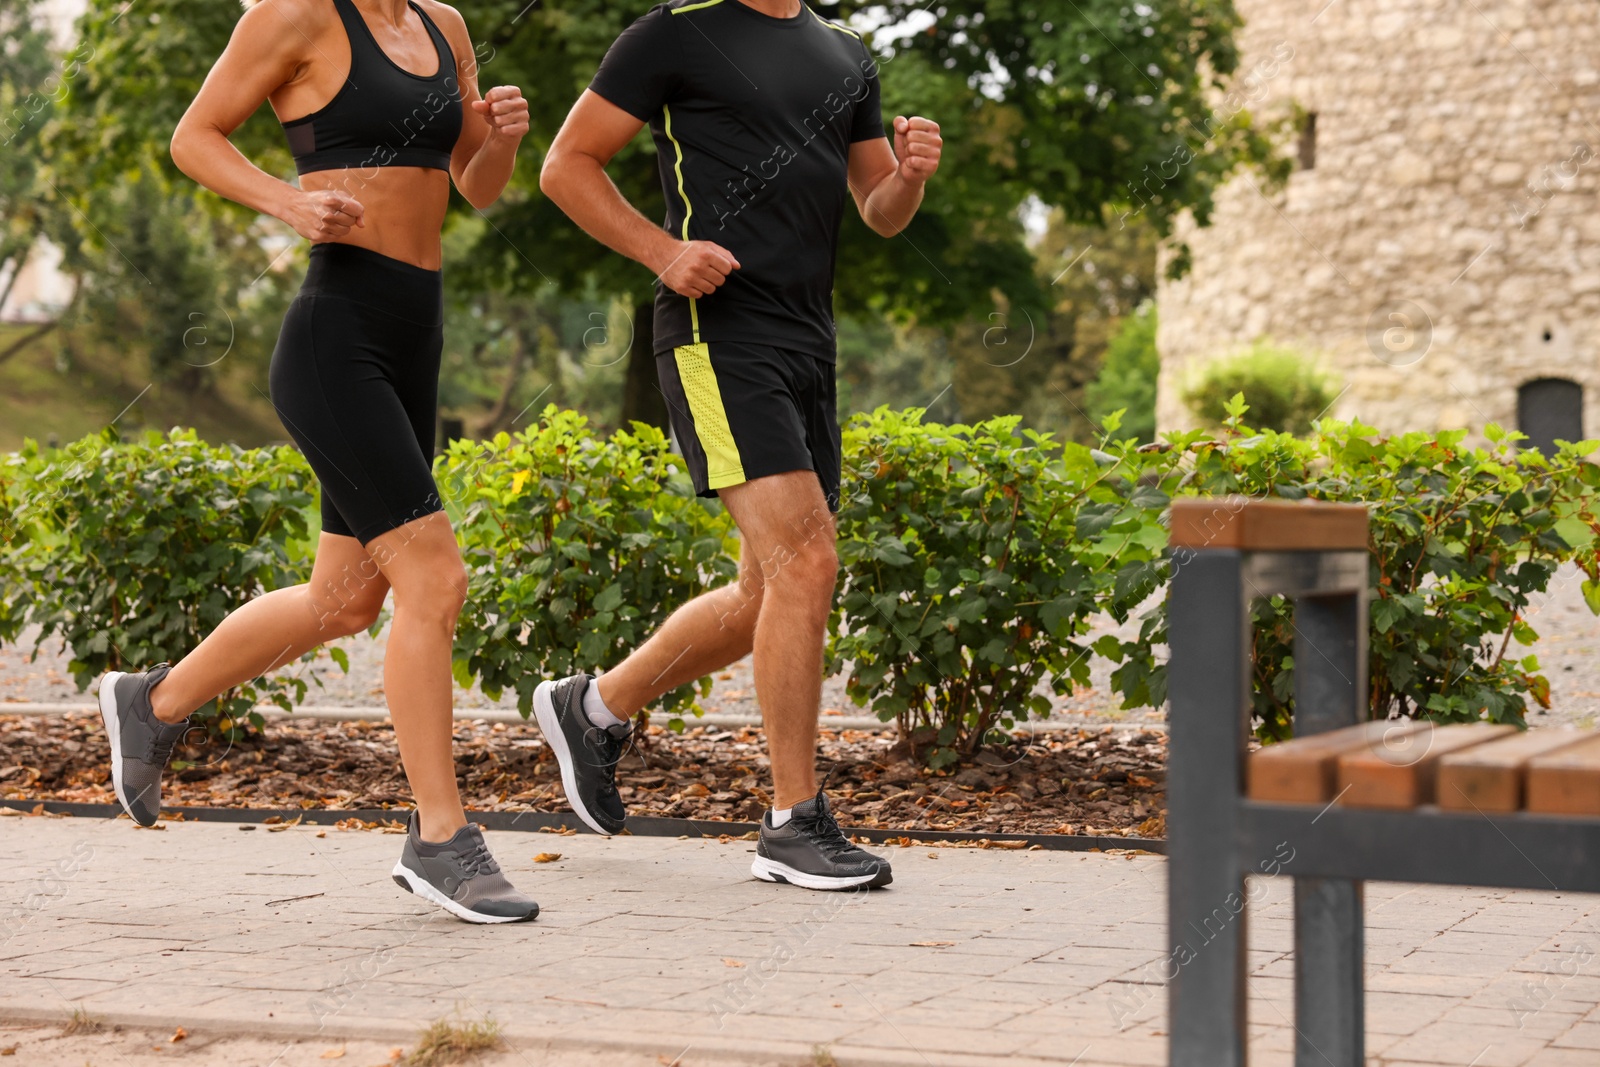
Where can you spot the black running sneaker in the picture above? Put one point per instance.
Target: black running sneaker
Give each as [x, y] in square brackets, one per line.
[461, 877]
[811, 851]
[587, 754]
[141, 744]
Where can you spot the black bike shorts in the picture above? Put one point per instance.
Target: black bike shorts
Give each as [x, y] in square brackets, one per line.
[355, 379]
[742, 411]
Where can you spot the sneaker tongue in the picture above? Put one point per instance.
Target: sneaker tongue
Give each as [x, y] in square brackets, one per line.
[619, 732]
[460, 841]
[818, 803]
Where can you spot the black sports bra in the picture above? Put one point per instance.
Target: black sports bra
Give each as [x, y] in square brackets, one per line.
[383, 116]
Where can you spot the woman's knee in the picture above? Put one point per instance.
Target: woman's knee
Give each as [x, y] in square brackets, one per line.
[358, 618]
[437, 592]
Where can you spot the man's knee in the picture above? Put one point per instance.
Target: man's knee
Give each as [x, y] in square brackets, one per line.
[813, 565]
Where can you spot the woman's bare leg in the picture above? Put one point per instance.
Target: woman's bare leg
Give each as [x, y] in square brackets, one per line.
[423, 565]
[344, 597]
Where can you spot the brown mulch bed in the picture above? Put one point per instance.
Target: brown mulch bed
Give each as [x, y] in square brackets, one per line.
[1093, 782]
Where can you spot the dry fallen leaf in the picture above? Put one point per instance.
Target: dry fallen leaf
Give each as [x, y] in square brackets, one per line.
[9, 1050]
[732, 963]
[322, 833]
[333, 1054]
[931, 944]
[547, 857]
[178, 1035]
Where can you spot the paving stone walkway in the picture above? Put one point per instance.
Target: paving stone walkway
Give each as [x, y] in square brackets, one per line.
[666, 949]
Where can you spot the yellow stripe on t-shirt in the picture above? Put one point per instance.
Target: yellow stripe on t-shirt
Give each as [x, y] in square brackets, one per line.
[688, 208]
[825, 22]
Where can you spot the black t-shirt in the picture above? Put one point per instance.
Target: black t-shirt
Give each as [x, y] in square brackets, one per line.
[753, 119]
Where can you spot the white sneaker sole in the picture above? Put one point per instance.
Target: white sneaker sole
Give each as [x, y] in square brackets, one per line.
[544, 709]
[423, 888]
[113, 723]
[773, 871]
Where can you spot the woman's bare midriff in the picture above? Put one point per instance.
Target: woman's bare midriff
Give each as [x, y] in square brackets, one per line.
[404, 209]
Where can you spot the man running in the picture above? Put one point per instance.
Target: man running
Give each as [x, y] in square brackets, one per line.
[764, 116]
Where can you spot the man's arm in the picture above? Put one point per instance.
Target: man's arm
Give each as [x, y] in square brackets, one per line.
[574, 176]
[888, 183]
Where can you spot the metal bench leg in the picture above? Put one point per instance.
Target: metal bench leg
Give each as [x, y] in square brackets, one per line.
[1209, 680]
[1330, 661]
[1329, 1005]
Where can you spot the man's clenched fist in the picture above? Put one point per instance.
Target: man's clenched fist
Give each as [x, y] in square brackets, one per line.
[917, 145]
[698, 268]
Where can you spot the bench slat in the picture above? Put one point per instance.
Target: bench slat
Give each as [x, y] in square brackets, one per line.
[1303, 770]
[1567, 781]
[1267, 525]
[1400, 772]
[1491, 776]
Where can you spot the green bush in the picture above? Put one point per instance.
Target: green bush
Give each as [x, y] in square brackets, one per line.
[1283, 389]
[131, 552]
[578, 547]
[1464, 543]
[1127, 378]
[973, 558]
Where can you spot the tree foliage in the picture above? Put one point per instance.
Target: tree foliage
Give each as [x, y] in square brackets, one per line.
[1070, 104]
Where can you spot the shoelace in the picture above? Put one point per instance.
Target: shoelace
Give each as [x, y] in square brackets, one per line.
[477, 860]
[611, 751]
[161, 744]
[823, 828]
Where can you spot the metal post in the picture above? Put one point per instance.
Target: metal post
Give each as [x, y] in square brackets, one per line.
[1209, 683]
[1330, 661]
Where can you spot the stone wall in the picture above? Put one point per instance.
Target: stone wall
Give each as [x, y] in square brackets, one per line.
[1445, 247]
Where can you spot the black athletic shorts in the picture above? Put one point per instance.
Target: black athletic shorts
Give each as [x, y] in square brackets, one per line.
[741, 411]
[355, 379]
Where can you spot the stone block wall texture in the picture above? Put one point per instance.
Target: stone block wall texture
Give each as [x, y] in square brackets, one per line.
[1445, 247]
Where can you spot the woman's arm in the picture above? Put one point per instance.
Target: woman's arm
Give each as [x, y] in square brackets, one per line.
[266, 51]
[492, 125]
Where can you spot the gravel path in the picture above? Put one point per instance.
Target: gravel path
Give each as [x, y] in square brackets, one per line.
[1567, 649]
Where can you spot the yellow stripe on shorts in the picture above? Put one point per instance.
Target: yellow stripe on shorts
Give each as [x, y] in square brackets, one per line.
[723, 465]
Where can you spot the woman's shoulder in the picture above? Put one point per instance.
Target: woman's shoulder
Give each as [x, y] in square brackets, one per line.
[450, 23]
[301, 17]
[444, 15]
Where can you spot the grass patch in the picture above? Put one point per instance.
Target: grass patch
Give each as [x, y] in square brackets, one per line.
[445, 1042]
[81, 1022]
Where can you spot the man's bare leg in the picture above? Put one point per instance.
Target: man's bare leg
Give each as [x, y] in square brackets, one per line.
[706, 634]
[779, 609]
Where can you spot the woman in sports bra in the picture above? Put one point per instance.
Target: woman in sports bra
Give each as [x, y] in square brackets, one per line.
[380, 104]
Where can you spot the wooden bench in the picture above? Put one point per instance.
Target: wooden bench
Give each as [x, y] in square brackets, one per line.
[1347, 800]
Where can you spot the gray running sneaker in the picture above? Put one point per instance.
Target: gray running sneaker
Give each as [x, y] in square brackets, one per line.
[461, 877]
[141, 744]
[587, 754]
[812, 852]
